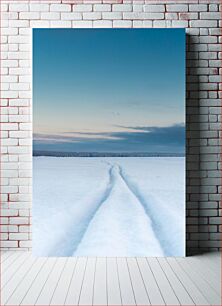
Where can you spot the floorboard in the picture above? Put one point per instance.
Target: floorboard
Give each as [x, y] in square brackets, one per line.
[185, 278]
[153, 291]
[100, 283]
[86, 294]
[61, 290]
[180, 291]
[113, 284]
[46, 294]
[139, 288]
[126, 289]
[27, 280]
[208, 292]
[75, 286]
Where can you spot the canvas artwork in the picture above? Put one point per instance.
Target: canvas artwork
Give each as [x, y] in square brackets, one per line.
[109, 142]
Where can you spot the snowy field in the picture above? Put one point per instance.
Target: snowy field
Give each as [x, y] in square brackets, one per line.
[109, 206]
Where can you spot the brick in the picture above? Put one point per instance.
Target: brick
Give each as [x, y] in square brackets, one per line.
[180, 23]
[18, 7]
[162, 23]
[19, 86]
[9, 173]
[208, 39]
[3, 118]
[9, 126]
[4, 7]
[12, 158]
[215, 236]
[19, 71]
[4, 181]
[18, 236]
[13, 47]
[102, 7]
[112, 15]
[147, 24]
[203, 23]
[9, 244]
[215, 220]
[216, 31]
[19, 118]
[215, 78]
[82, 8]
[213, 7]
[19, 102]
[18, 23]
[29, 15]
[60, 24]
[24, 212]
[24, 229]
[102, 24]
[92, 15]
[18, 149]
[122, 24]
[52, 15]
[208, 212]
[60, 8]
[37, 7]
[4, 71]
[39, 24]
[20, 181]
[215, 63]
[71, 16]
[9, 142]
[208, 205]
[134, 15]
[9, 212]
[8, 228]
[3, 220]
[154, 8]
[207, 15]
[9, 63]
[4, 236]
[122, 7]
[200, 236]
[187, 16]
[171, 16]
[25, 126]
[82, 24]
[177, 8]
[9, 94]
[9, 31]
[3, 102]
[197, 7]
[25, 244]
[138, 23]
[137, 8]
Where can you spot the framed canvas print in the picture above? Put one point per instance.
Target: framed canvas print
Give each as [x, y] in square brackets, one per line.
[109, 142]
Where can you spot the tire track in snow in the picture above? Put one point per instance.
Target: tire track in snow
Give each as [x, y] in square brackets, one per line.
[117, 178]
[74, 231]
[144, 204]
[103, 198]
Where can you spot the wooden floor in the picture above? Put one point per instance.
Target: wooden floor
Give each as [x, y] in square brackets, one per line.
[26, 280]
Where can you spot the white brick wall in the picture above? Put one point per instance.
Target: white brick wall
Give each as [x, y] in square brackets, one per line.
[201, 20]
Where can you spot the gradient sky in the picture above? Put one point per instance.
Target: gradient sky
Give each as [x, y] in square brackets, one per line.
[112, 90]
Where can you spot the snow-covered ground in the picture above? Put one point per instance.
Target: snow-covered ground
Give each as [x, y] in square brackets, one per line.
[109, 206]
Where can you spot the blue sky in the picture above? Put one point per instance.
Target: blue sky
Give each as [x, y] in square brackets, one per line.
[112, 90]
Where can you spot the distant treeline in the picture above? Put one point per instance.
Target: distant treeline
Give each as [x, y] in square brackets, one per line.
[105, 154]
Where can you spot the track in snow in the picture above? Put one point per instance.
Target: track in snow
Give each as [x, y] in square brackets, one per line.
[120, 226]
[74, 231]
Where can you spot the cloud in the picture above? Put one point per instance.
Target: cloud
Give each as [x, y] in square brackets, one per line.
[134, 139]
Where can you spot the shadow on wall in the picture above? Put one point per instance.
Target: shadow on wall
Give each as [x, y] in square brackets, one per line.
[194, 226]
